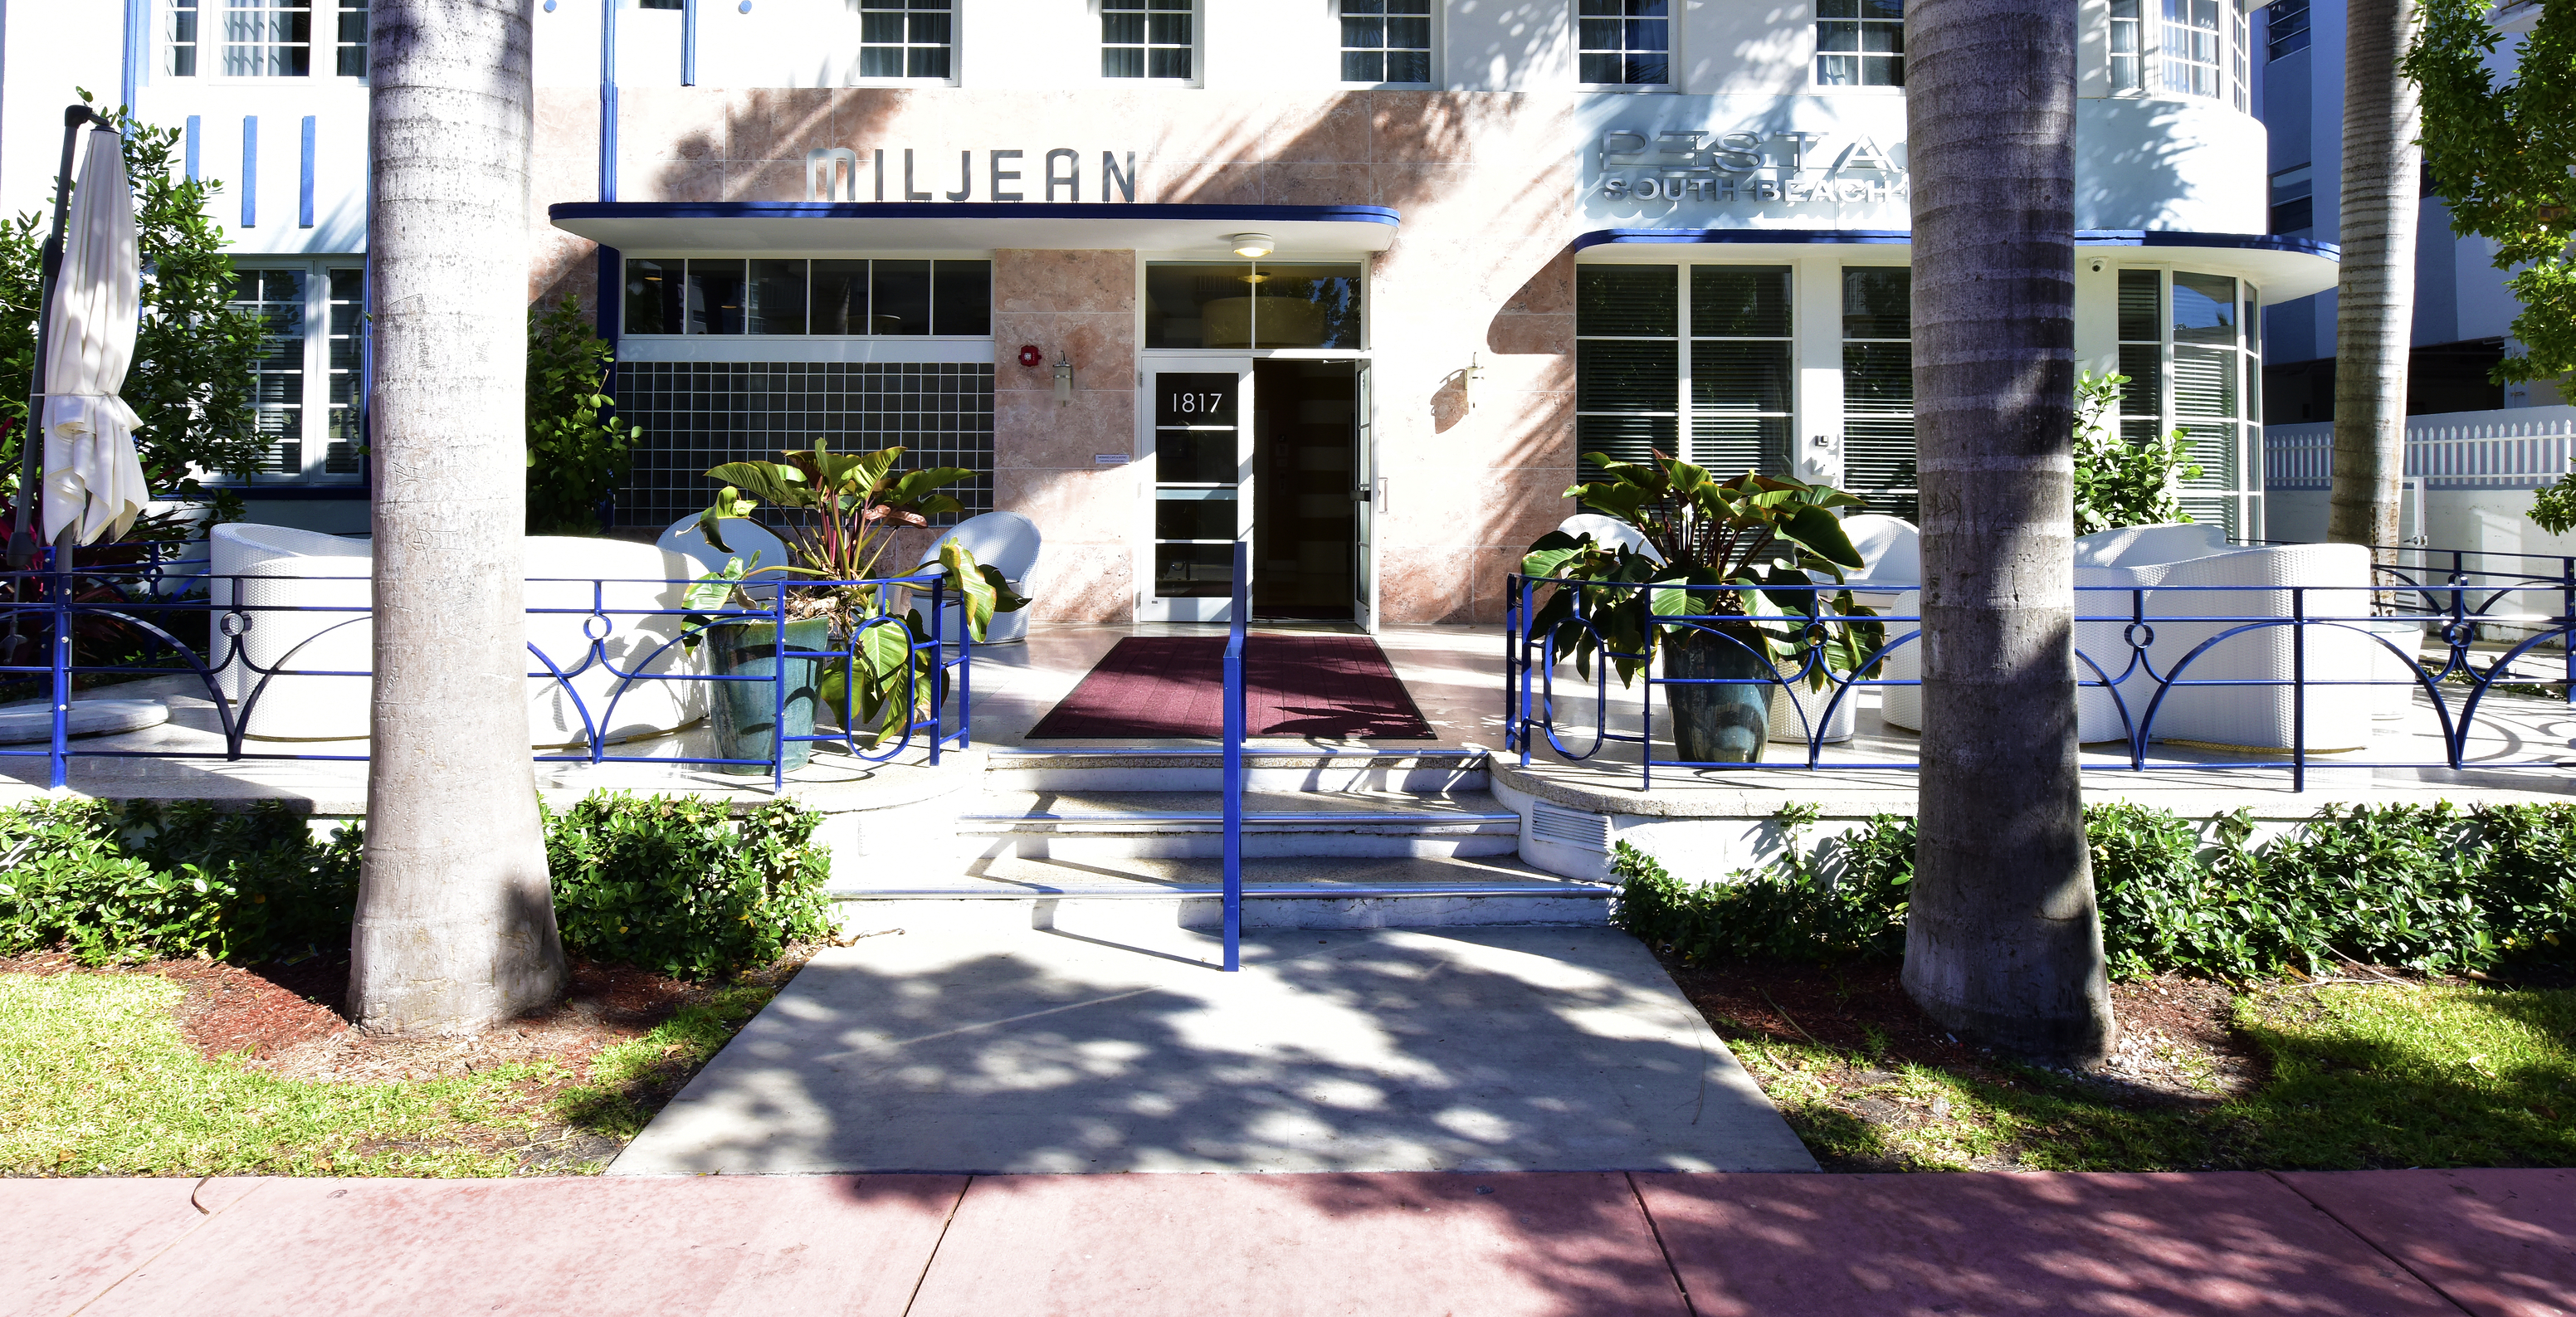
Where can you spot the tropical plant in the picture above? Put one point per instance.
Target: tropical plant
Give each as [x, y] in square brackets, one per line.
[194, 352]
[2002, 935]
[2504, 160]
[455, 927]
[843, 509]
[577, 451]
[2119, 483]
[1754, 550]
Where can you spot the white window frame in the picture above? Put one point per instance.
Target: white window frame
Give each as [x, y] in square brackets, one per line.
[1816, 54]
[956, 54]
[1672, 21]
[1197, 48]
[1433, 21]
[2234, 71]
[2245, 496]
[314, 428]
[323, 62]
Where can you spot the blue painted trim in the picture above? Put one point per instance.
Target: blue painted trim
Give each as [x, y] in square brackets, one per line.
[688, 43]
[304, 181]
[608, 100]
[138, 50]
[1866, 237]
[196, 131]
[250, 172]
[578, 210]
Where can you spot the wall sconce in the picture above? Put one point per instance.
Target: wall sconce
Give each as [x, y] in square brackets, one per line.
[1063, 378]
[1468, 379]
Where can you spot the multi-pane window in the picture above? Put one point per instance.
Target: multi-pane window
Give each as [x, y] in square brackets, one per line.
[2193, 49]
[352, 61]
[1724, 402]
[2128, 47]
[180, 46]
[1386, 40]
[264, 38]
[905, 38]
[1861, 43]
[1252, 305]
[268, 38]
[1739, 366]
[308, 384]
[1624, 42]
[2285, 28]
[765, 295]
[2187, 346]
[277, 380]
[1145, 38]
[1627, 360]
[1878, 388]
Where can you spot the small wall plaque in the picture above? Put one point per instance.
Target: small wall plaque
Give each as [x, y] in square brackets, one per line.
[1110, 459]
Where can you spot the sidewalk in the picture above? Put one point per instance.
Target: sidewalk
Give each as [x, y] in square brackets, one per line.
[2396, 1242]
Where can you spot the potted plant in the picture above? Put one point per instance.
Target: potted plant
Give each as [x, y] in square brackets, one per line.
[1756, 552]
[842, 510]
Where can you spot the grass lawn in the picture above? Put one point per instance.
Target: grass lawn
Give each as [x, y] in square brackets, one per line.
[98, 1078]
[2282, 1076]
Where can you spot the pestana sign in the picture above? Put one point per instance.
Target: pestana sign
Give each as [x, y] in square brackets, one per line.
[1792, 168]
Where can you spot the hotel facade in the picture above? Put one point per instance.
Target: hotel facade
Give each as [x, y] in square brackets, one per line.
[1354, 280]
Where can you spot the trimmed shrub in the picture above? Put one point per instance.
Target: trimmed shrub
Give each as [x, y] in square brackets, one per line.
[178, 880]
[677, 884]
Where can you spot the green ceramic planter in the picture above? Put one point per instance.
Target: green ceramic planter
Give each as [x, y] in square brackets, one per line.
[745, 713]
[1719, 724]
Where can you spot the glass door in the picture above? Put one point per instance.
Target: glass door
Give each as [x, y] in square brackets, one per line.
[1199, 488]
[1369, 488]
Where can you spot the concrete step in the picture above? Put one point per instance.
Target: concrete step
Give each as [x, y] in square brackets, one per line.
[1154, 769]
[1111, 825]
[1313, 892]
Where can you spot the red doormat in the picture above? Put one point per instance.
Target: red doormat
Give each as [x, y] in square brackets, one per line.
[1328, 686]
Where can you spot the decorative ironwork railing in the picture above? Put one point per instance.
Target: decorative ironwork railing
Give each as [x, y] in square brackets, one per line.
[2246, 676]
[599, 648]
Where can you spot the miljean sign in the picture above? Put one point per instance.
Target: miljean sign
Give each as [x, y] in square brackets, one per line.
[1791, 168]
[834, 174]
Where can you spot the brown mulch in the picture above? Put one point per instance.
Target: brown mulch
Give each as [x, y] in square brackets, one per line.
[2178, 1043]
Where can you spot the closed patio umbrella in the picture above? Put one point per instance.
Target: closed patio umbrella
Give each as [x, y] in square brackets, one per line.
[93, 483]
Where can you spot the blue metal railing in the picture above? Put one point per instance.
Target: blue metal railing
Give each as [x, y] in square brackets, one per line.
[140, 612]
[2143, 680]
[1234, 640]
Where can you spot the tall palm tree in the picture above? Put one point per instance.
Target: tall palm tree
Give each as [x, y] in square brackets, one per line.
[2003, 942]
[2375, 286]
[456, 925]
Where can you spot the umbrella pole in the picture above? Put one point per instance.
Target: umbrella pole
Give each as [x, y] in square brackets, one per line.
[31, 436]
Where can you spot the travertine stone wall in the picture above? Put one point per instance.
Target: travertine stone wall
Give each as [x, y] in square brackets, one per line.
[1480, 272]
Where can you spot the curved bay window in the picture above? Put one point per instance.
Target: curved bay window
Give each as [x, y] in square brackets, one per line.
[2190, 345]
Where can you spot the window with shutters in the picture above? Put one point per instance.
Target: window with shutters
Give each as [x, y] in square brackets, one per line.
[1878, 388]
[2189, 344]
[1719, 395]
[1627, 360]
[309, 383]
[1741, 375]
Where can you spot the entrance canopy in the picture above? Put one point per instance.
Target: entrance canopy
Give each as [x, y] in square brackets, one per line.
[810, 227]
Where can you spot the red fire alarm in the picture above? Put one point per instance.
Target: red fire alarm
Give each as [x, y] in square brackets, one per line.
[1030, 356]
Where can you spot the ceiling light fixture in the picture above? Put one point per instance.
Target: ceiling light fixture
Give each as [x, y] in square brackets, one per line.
[1251, 246]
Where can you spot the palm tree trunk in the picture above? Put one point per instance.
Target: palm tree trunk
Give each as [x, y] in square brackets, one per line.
[2375, 287]
[456, 925]
[2002, 942]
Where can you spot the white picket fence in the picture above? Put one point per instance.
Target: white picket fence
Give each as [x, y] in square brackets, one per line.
[2518, 448]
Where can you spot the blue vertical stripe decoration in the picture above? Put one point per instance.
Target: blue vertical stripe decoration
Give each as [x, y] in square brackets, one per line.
[304, 181]
[196, 132]
[138, 49]
[608, 100]
[250, 171]
[688, 43]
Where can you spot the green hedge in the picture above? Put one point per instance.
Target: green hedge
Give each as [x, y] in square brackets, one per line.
[669, 884]
[2434, 888]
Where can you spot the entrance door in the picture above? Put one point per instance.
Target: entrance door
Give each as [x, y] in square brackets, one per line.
[1199, 489]
[1305, 504]
[1369, 488]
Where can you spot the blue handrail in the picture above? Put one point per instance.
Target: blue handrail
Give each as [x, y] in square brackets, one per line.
[1234, 758]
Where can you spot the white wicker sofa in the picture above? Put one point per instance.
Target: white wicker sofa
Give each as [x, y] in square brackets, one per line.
[277, 576]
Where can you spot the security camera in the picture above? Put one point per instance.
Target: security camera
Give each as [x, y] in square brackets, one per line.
[2097, 267]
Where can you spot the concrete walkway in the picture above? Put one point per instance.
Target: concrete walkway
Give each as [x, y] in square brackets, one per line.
[1576, 1245]
[1120, 1047]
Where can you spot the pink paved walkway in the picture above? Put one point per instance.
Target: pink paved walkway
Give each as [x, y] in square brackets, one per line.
[2395, 1242]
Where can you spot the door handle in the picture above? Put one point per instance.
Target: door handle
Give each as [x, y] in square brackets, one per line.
[1360, 494]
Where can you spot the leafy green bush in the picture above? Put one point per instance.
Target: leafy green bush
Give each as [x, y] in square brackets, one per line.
[2432, 888]
[2120, 481]
[124, 884]
[577, 450]
[677, 884]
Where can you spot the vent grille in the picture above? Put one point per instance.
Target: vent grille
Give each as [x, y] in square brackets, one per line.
[1569, 827]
